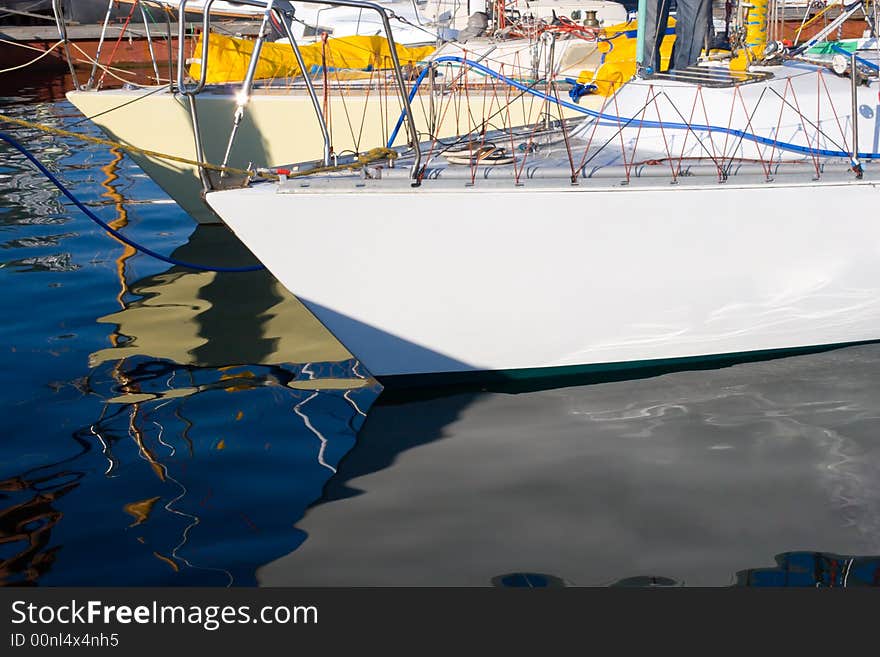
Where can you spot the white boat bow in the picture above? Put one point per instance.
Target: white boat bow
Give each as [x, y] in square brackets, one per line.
[676, 237]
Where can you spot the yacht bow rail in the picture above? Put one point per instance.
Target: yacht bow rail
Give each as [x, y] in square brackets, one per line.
[283, 12]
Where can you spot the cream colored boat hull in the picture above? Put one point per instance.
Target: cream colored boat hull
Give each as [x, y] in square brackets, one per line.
[280, 127]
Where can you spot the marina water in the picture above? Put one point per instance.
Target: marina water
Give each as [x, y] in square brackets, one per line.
[162, 426]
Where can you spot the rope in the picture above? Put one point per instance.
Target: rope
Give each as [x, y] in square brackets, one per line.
[20, 45]
[115, 233]
[87, 58]
[104, 67]
[363, 159]
[33, 61]
[373, 155]
[132, 149]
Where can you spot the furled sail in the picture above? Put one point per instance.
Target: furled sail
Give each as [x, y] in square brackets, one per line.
[228, 57]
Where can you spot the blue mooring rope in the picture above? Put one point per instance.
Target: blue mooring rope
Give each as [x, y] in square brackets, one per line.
[115, 233]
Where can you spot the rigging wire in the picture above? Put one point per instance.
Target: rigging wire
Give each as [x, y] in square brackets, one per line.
[611, 119]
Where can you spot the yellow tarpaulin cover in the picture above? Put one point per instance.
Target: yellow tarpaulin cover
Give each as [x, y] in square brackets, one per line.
[756, 35]
[619, 64]
[228, 57]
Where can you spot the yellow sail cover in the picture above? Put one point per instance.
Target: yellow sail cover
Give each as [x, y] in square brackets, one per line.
[228, 57]
[756, 35]
[619, 57]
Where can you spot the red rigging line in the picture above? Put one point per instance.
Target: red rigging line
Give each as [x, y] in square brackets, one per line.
[528, 148]
[711, 141]
[628, 166]
[687, 133]
[593, 133]
[833, 108]
[564, 131]
[501, 12]
[764, 166]
[620, 133]
[778, 124]
[813, 154]
[118, 41]
[507, 119]
[665, 141]
[726, 134]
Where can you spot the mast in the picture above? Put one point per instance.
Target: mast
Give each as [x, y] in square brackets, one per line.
[640, 38]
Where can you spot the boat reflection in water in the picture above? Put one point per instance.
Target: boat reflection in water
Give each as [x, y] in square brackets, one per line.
[27, 515]
[814, 569]
[225, 407]
[207, 319]
[222, 496]
[793, 569]
[685, 478]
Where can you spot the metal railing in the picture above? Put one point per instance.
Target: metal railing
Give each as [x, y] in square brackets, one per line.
[284, 12]
[398, 72]
[58, 10]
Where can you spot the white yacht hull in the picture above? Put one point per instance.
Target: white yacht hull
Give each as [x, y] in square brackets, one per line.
[516, 280]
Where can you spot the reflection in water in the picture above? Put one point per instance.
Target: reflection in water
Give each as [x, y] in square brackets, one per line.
[184, 339]
[794, 569]
[215, 319]
[164, 426]
[215, 410]
[646, 581]
[59, 262]
[35, 242]
[687, 478]
[28, 200]
[27, 516]
[25, 86]
[527, 581]
[211, 487]
[814, 569]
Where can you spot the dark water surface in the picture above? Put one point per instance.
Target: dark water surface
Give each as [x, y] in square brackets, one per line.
[160, 426]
